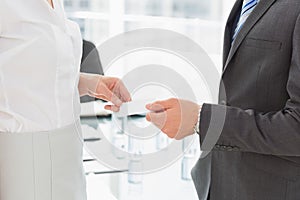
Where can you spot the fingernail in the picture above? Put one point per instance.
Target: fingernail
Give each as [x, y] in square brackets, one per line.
[148, 118]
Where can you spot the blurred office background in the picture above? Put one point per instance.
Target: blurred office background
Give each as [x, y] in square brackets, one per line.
[201, 20]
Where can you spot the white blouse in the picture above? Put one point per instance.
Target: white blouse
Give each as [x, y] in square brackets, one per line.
[40, 53]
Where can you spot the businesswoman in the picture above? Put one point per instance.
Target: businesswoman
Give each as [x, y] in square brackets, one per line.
[40, 85]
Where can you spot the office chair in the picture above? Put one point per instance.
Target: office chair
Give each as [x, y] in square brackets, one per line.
[90, 63]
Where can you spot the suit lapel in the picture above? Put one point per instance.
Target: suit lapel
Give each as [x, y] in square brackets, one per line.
[228, 29]
[257, 13]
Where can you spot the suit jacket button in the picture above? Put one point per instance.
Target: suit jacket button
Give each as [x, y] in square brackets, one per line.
[236, 148]
[229, 149]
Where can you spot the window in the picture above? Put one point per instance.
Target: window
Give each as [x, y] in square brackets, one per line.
[173, 8]
[84, 4]
[68, 3]
[202, 20]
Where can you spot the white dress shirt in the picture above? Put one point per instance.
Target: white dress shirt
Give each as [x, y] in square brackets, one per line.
[40, 53]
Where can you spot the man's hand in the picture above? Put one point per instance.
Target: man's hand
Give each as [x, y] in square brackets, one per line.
[105, 88]
[176, 118]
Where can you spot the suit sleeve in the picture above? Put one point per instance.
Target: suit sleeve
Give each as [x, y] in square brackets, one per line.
[275, 133]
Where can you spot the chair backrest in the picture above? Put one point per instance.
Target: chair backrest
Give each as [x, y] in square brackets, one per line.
[90, 63]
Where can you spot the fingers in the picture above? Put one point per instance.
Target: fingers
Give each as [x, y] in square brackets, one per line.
[159, 106]
[158, 119]
[155, 107]
[113, 90]
[112, 108]
[123, 92]
[166, 115]
[108, 95]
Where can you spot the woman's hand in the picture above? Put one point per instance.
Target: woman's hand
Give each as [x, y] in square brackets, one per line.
[105, 88]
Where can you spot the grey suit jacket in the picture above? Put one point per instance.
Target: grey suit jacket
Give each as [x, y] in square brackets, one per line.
[257, 156]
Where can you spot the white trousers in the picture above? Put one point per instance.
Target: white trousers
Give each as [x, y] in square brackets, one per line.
[42, 165]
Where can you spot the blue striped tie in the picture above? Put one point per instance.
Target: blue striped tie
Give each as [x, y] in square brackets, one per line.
[248, 7]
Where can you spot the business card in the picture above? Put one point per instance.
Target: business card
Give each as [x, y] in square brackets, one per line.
[135, 107]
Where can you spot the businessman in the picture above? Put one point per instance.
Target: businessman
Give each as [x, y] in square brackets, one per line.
[257, 156]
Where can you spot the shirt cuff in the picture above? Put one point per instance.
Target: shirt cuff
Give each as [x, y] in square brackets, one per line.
[197, 126]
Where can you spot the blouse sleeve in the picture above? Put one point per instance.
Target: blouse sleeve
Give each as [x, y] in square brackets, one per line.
[2, 21]
[1, 24]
